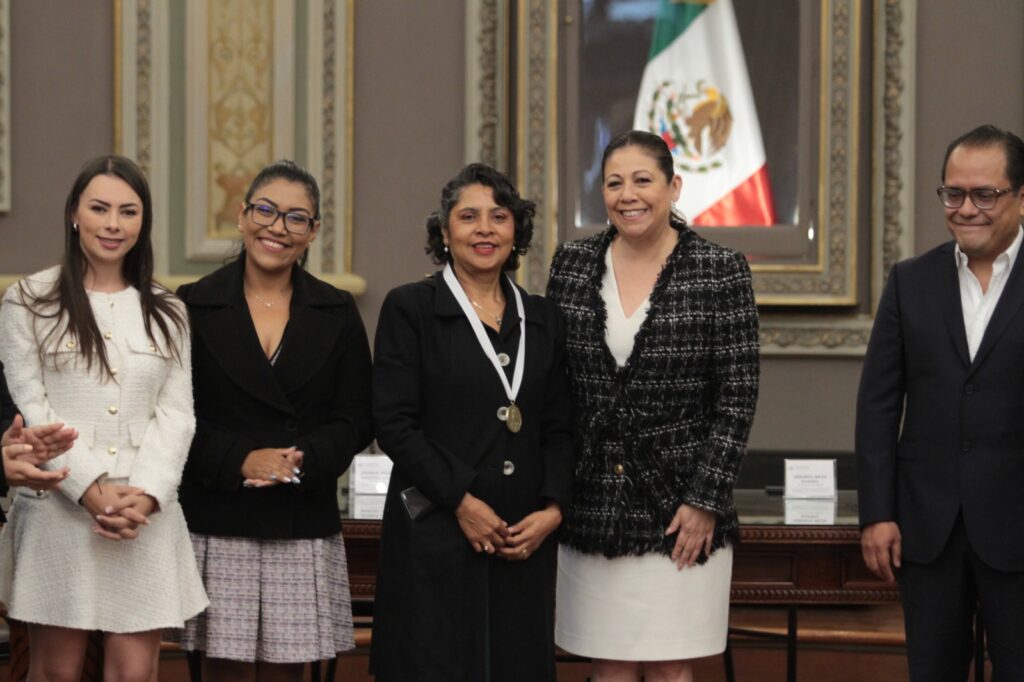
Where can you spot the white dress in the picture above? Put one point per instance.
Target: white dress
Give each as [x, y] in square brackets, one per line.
[639, 608]
[134, 430]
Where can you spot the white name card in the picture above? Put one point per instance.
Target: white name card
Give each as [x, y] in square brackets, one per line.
[370, 474]
[810, 512]
[810, 478]
[367, 506]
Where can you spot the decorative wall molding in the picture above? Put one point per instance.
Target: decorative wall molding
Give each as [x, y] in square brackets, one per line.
[5, 105]
[149, 81]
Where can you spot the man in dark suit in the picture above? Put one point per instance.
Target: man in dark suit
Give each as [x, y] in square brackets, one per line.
[940, 421]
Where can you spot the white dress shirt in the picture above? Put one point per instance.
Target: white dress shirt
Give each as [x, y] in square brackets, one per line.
[978, 305]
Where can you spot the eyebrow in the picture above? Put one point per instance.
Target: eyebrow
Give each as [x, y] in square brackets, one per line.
[275, 205]
[106, 204]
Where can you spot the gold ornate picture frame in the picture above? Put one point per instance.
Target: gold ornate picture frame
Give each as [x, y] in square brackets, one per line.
[865, 162]
[209, 91]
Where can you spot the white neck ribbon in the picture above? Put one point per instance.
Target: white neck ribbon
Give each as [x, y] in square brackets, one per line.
[481, 336]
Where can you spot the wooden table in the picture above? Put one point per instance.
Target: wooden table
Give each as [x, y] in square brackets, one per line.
[775, 563]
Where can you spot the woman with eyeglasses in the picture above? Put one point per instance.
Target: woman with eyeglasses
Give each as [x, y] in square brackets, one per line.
[282, 398]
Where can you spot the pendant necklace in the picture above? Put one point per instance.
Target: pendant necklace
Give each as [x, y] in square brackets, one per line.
[267, 304]
[488, 313]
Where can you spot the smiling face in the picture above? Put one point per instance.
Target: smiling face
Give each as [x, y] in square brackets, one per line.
[480, 233]
[982, 234]
[637, 195]
[109, 219]
[273, 249]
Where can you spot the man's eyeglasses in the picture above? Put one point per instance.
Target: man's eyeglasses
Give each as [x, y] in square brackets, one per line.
[266, 215]
[983, 198]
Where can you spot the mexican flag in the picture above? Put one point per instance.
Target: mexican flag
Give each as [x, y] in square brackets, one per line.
[695, 93]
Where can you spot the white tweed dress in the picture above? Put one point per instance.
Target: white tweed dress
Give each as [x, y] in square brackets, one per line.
[639, 608]
[136, 430]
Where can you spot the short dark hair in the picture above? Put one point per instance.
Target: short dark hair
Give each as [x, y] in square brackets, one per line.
[989, 135]
[289, 171]
[505, 195]
[650, 143]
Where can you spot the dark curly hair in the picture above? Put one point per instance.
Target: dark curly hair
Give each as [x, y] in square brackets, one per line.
[505, 195]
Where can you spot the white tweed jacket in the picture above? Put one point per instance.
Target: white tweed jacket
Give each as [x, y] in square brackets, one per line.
[137, 425]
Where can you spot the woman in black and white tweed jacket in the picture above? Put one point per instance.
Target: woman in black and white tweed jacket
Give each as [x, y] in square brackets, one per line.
[663, 355]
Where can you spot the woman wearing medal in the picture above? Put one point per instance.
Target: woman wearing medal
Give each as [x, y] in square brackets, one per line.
[471, 402]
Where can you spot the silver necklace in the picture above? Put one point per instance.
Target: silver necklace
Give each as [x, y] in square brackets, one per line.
[485, 311]
[265, 302]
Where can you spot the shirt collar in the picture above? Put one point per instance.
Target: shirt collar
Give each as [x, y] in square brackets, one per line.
[1002, 260]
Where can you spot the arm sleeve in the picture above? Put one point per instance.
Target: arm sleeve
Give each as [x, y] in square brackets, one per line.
[557, 444]
[19, 354]
[733, 391]
[7, 407]
[328, 449]
[397, 391]
[880, 410]
[165, 444]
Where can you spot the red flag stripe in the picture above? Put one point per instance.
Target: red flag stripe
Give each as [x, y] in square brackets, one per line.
[750, 203]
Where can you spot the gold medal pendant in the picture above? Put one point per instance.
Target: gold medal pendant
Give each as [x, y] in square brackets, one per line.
[514, 418]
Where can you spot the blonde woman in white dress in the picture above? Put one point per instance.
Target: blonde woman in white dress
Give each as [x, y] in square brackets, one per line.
[96, 344]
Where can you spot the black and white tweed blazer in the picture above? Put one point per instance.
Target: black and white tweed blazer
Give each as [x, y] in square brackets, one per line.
[671, 426]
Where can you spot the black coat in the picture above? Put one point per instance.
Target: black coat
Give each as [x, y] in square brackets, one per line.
[316, 397]
[938, 434]
[440, 607]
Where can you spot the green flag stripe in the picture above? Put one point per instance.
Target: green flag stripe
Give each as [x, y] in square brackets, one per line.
[673, 18]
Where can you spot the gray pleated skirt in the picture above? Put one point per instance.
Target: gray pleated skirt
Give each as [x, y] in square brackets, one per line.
[277, 601]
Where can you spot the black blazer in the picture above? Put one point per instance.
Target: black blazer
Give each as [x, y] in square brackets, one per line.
[316, 397]
[961, 446]
[7, 412]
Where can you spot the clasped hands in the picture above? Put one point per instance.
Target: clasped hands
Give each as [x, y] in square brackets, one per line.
[25, 448]
[272, 466]
[487, 532]
[119, 510]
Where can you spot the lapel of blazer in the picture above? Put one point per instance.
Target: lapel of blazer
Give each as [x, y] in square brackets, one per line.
[952, 312]
[312, 331]
[221, 319]
[1009, 304]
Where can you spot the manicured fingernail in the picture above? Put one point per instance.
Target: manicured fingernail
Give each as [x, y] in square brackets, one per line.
[273, 477]
[296, 481]
[108, 510]
[296, 470]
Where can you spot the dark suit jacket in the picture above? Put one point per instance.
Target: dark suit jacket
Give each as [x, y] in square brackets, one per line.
[316, 397]
[7, 412]
[961, 445]
[441, 607]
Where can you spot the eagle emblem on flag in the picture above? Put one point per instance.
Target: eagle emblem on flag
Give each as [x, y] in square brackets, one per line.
[695, 123]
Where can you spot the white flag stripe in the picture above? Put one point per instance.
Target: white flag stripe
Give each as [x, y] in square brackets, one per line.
[709, 51]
